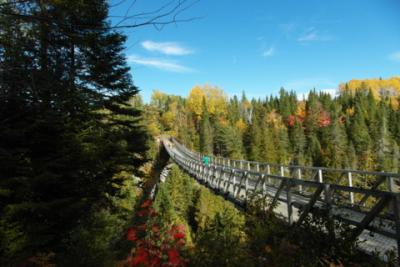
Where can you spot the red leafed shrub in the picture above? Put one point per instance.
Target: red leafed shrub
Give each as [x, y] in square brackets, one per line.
[155, 228]
[131, 235]
[173, 257]
[291, 120]
[179, 236]
[146, 203]
[154, 243]
[141, 257]
[324, 119]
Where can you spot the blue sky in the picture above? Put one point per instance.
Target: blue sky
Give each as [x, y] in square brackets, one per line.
[259, 46]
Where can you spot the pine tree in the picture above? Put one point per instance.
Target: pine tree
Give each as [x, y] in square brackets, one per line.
[206, 134]
[297, 141]
[359, 131]
[383, 144]
[253, 140]
[268, 146]
[335, 142]
[69, 138]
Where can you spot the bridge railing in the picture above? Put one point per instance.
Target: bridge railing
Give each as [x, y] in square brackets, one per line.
[383, 181]
[372, 208]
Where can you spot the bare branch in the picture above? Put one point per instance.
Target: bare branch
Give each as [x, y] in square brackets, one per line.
[166, 14]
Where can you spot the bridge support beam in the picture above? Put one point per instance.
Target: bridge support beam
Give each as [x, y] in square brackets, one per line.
[396, 205]
[289, 202]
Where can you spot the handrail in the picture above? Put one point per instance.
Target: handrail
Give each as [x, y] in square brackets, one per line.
[373, 173]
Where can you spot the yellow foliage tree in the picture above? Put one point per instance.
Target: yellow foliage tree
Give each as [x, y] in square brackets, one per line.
[216, 100]
[274, 119]
[301, 110]
[168, 119]
[195, 100]
[379, 87]
[158, 99]
[241, 125]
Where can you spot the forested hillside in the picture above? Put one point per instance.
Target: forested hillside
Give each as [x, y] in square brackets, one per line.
[352, 130]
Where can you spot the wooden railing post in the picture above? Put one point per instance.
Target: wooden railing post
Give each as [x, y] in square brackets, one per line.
[390, 184]
[320, 179]
[246, 185]
[350, 180]
[299, 177]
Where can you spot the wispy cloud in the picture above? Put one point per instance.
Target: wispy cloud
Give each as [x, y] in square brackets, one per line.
[269, 52]
[307, 84]
[167, 48]
[161, 64]
[311, 35]
[303, 95]
[395, 56]
[287, 28]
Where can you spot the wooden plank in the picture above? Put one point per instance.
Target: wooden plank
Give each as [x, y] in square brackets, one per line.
[240, 184]
[310, 204]
[277, 194]
[382, 203]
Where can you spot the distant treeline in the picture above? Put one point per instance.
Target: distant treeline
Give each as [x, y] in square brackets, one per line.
[355, 129]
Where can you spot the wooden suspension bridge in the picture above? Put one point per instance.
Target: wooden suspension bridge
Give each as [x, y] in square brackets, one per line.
[368, 201]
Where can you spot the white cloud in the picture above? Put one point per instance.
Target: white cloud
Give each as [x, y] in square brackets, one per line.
[161, 64]
[311, 34]
[304, 86]
[395, 56]
[269, 52]
[331, 91]
[167, 48]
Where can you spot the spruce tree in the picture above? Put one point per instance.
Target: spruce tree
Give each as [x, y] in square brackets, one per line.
[206, 132]
[359, 131]
[297, 141]
[69, 139]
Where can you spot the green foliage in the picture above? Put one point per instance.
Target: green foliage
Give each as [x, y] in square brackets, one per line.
[91, 243]
[220, 243]
[70, 141]
[205, 131]
[225, 236]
